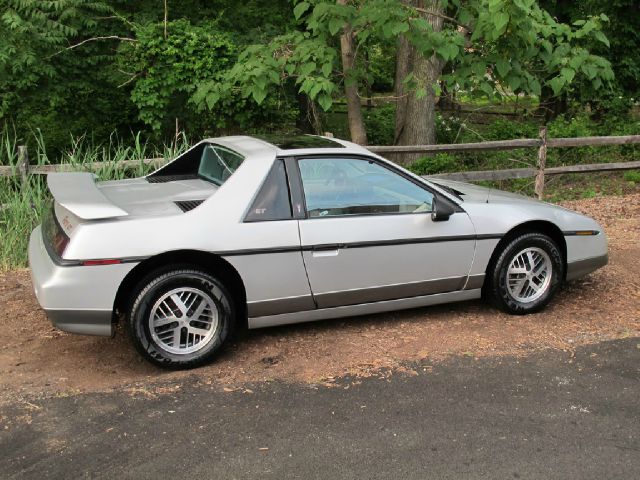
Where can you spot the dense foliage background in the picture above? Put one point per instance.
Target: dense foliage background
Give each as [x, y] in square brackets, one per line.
[71, 68]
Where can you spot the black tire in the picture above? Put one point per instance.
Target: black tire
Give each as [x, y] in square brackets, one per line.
[156, 346]
[497, 288]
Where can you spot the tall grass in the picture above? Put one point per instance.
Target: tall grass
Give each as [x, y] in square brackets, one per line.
[21, 205]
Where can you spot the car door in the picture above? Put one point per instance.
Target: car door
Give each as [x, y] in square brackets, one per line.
[368, 235]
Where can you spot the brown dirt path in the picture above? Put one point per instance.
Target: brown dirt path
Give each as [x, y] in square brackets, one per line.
[36, 359]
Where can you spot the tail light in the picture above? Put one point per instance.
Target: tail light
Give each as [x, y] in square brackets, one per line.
[54, 236]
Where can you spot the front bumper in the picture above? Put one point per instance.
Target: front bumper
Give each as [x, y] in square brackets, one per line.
[76, 299]
[580, 268]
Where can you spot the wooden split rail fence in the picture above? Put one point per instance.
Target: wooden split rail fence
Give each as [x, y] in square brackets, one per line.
[23, 169]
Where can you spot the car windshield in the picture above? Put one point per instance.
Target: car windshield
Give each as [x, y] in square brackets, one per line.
[217, 164]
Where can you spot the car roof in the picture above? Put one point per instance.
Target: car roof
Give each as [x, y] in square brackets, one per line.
[283, 145]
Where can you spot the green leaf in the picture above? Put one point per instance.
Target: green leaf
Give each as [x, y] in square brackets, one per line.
[479, 68]
[307, 68]
[575, 62]
[274, 76]
[400, 27]
[487, 89]
[589, 70]
[325, 101]
[315, 89]
[335, 24]
[299, 9]
[601, 37]
[568, 74]
[546, 44]
[557, 84]
[327, 68]
[211, 99]
[500, 21]
[258, 94]
[495, 5]
[503, 67]
[448, 51]
[535, 87]
[514, 82]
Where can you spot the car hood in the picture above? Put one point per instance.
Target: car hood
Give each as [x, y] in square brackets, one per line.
[477, 194]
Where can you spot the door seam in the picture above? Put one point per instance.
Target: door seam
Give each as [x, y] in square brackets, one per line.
[304, 264]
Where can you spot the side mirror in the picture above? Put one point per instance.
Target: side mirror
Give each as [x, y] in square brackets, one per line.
[441, 210]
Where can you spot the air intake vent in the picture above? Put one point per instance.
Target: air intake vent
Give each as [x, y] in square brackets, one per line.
[187, 205]
[169, 178]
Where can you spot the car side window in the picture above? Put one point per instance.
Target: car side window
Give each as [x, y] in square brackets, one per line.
[353, 186]
[272, 201]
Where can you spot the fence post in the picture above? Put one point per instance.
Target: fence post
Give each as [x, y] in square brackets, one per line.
[542, 162]
[23, 164]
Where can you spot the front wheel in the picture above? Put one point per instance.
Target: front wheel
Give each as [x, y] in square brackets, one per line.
[181, 318]
[526, 275]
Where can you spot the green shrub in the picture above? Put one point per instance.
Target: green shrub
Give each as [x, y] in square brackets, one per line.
[380, 124]
[439, 163]
[449, 129]
[578, 126]
[632, 176]
[503, 129]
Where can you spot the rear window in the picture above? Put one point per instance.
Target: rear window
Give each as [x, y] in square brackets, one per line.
[217, 164]
[208, 161]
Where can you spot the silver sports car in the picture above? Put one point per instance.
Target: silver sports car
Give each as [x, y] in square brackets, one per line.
[269, 231]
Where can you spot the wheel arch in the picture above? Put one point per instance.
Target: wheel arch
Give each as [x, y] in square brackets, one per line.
[210, 262]
[534, 226]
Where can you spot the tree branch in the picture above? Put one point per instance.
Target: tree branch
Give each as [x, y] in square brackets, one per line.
[133, 77]
[440, 15]
[383, 97]
[93, 39]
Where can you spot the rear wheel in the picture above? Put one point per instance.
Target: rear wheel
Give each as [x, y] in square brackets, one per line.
[526, 275]
[181, 318]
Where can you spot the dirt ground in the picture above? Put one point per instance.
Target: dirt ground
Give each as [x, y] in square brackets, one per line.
[37, 360]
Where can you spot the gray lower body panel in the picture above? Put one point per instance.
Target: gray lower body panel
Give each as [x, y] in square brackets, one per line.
[475, 281]
[84, 322]
[363, 309]
[280, 305]
[389, 292]
[582, 267]
[361, 296]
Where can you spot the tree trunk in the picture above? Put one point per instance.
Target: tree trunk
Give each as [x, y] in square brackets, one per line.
[551, 106]
[416, 117]
[354, 108]
[403, 67]
[308, 120]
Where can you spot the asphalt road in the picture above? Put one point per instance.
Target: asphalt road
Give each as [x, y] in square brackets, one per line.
[549, 415]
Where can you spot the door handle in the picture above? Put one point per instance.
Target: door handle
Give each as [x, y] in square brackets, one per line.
[326, 250]
[326, 246]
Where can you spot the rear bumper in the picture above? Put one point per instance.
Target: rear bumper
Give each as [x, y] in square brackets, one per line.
[83, 322]
[76, 299]
[580, 268]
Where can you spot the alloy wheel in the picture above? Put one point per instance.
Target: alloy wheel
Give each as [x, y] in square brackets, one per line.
[529, 275]
[183, 320]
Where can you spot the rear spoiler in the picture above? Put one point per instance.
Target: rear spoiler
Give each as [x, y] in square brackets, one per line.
[78, 193]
